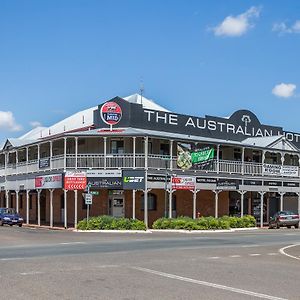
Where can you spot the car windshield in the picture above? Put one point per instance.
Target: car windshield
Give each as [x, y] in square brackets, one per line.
[286, 213]
[11, 211]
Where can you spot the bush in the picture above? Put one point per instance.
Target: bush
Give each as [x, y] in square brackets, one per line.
[110, 223]
[204, 223]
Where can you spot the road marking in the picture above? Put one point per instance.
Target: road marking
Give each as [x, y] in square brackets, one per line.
[282, 251]
[214, 257]
[272, 253]
[250, 246]
[209, 284]
[72, 243]
[31, 273]
[234, 256]
[254, 254]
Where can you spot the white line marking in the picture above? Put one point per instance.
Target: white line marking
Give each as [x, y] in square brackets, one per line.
[272, 253]
[209, 284]
[234, 256]
[72, 243]
[254, 254]
[282, 251]
[31, 273]
[214, 257]
[250, 246]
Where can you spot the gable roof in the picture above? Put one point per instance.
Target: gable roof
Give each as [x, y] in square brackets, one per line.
[278, 142]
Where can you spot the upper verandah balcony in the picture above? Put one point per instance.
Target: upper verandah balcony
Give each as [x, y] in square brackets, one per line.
[82, 152]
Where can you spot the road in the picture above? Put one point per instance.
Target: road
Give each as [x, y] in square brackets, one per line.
[48, 264]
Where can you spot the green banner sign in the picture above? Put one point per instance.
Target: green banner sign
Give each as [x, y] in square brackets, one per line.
[196, 158]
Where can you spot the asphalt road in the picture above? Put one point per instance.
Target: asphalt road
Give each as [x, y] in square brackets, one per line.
[45, 264]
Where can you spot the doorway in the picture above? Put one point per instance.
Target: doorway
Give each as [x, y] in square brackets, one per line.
[116, 204]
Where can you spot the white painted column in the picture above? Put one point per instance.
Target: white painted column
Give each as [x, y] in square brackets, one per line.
[171, 155]
[281, 201]
[65, 154]
[39, 206]
[76, 153]
[38, 153]
[134, 150]
[51, 154]
[51, 207]
[27, 206]
[17, 201]
[195, 204]
[218, 159]
[7, 198]
[216, 203]
[261, 209]
[65, 209]
[105, 150]
[243, 160]
[146, 151]
[170, 201]
[146, 183]
[133, 204]
[75, 208]
[242, 203]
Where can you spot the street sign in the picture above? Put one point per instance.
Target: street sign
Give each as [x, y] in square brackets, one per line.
[88, 199]
[75, 181]
[95, 193]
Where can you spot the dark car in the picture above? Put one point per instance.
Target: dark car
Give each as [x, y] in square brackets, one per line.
[284, 218]
[10, 217]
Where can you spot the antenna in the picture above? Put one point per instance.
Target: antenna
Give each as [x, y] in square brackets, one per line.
[141, 90]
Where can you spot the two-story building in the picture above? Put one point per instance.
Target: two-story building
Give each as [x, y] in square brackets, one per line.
[142, 161]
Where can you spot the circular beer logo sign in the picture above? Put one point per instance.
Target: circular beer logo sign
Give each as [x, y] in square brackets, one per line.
[111, 113]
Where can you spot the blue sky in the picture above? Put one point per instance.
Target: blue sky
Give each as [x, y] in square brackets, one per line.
[195, 57]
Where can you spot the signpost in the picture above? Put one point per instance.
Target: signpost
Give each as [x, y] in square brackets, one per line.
[88, 197]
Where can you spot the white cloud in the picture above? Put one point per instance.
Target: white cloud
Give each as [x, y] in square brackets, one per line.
[282, 28]
[284, 90]
[8, 122]
[35, 124]
[234, 26]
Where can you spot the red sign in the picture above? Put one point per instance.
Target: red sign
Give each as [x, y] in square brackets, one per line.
[75, 181]
[111, 113]
[183, 183]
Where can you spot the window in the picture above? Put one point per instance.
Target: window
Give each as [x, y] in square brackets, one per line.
[164, 149]
[152, 201]
[117, 146]
[11, 201]
[237, 154]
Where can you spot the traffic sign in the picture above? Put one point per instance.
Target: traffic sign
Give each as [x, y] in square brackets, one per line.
[95, 193]
[88, 199]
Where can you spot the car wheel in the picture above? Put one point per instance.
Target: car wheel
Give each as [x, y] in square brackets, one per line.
[1, 223]
[20, 225]
[277, 226]
[10, 224]
[288, 226]
[270, 226]
[297, 225]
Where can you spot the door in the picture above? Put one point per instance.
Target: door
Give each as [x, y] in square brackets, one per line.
[118, 206]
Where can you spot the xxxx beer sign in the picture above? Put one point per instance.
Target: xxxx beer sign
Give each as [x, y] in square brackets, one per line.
[75, 181]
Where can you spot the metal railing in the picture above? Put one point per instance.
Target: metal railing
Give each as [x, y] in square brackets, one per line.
[129, 160]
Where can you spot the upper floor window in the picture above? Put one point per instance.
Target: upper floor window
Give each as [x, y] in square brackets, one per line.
[117, 146]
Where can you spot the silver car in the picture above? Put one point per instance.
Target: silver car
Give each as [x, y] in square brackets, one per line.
[284, 218]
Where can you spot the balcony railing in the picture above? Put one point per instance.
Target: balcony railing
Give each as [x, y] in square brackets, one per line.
[155, 162]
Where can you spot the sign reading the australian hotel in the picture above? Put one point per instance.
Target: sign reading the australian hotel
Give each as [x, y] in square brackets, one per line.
[240, 125]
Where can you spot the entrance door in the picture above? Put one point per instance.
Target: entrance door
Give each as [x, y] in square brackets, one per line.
[118, 206]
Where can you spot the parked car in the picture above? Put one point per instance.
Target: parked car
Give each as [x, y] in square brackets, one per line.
[10, 217]
[284, 218]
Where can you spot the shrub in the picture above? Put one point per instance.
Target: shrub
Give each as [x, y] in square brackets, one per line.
[110, 223]
[204, 223]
